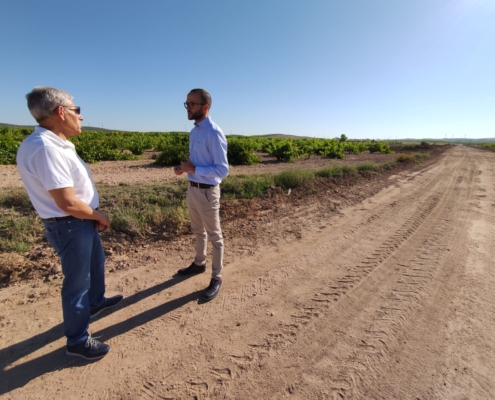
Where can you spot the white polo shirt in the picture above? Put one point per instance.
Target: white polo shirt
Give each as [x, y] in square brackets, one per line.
[46, 162]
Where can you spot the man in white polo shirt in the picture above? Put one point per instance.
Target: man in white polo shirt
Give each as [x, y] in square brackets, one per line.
[63, 193]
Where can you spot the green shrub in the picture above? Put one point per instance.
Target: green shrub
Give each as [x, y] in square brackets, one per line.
[92, 152]
[241, 151]
[245, 186]
[293, 178]
[380, 147]
[173, 150]
[10, 139]
[284, 151]
[367, 167]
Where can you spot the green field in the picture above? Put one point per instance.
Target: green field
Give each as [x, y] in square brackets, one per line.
[94, 146]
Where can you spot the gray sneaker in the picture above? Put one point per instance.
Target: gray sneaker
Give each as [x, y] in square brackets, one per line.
[108, 302]
[91, 349]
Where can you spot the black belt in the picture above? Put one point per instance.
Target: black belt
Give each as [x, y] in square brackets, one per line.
[201, 185]
[55, 219]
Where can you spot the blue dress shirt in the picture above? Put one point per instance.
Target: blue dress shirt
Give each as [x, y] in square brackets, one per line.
[208, 153]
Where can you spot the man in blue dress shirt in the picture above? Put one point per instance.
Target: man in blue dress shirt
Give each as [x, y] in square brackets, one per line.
[206, 166]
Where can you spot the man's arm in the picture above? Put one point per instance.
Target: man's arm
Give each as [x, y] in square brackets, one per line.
[219, 167]
[67, 201]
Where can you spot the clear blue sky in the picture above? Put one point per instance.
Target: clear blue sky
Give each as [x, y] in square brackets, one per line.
[322, 68]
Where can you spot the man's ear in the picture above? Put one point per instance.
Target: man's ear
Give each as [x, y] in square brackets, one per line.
[59, 112]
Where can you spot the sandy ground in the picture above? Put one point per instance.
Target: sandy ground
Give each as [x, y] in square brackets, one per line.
[381, 290]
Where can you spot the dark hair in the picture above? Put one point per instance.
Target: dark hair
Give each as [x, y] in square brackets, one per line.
[205, 96]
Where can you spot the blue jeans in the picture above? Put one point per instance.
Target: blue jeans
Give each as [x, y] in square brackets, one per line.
[78, 244]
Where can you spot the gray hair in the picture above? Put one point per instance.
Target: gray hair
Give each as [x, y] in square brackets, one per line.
[42, 101]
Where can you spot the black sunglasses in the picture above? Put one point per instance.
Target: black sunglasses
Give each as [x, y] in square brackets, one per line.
[76, 109]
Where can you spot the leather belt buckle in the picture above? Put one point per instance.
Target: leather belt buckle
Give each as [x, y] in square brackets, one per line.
[201, 185]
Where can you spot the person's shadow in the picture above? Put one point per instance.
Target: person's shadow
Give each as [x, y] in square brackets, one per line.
[19, 375]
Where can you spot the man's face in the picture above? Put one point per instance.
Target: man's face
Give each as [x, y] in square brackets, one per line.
[72, 122]
[196, 110]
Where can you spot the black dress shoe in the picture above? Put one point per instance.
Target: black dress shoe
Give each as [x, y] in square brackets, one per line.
[192, 269]
[212, 290]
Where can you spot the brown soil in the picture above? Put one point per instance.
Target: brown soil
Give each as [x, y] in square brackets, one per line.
[379, 288]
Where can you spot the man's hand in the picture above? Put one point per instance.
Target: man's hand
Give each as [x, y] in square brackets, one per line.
[188, 166]
[178, 170]
[103, 222]
[67, 201]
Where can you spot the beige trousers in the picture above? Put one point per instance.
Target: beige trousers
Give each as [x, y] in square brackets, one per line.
[204, 212]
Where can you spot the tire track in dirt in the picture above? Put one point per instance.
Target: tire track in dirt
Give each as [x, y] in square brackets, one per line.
[392, 315]
[377, 221]
[356, 372]
[278, 341]
[379, 257]
[388, 316]
[470, 359]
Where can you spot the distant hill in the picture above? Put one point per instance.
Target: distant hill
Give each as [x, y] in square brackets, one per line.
[95, 128]
[451, 140]
[283, 136]
[84, 128]
[18, 126]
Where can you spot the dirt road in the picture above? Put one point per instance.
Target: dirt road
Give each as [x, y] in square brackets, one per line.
[390, 298]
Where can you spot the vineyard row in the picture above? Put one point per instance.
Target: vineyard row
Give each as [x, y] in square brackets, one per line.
[94, 146]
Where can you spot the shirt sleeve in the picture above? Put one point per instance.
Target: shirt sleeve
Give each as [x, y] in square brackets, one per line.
[52, 170]
[217, 146]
